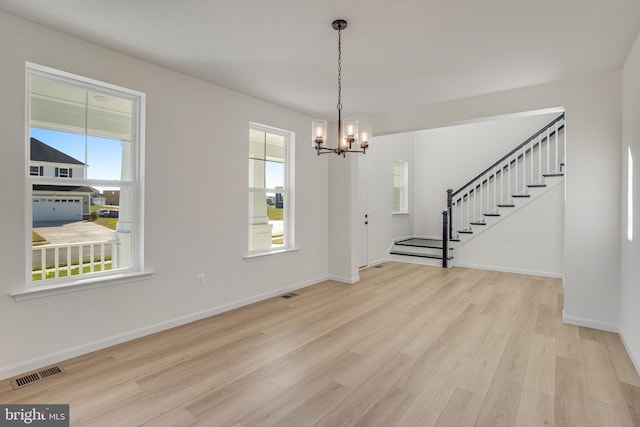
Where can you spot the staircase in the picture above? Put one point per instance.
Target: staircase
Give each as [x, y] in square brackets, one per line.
[525, 173]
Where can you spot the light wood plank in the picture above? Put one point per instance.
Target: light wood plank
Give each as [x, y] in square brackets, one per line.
[625, 370]
[609, 415]
[568, 344]
[461, 410]
[540, 375]
[632, 397]
[601, 375]
[572, 402]
[536, 409]
[408, 345]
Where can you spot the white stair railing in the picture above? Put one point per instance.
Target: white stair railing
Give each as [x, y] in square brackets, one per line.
[511, 176]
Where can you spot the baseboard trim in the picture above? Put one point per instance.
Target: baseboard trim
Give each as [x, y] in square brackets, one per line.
[347, 280]
[59, 356]
[377, 262]
[634, 359]
[512, 270]
[589, 323]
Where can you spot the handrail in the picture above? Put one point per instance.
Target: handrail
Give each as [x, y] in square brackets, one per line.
[531, 138]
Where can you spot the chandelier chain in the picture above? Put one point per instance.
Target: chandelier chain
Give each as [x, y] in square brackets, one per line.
[339, 70]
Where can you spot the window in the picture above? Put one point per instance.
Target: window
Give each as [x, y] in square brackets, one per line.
[270, 193]
[89, 137]
[400, 187]
[629, 195]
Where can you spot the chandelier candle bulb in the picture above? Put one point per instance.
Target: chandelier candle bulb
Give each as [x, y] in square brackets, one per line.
[319, 132]
[365, 134]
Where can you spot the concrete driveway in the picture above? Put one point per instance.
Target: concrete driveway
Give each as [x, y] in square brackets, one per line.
[71, 232]
[60, 232]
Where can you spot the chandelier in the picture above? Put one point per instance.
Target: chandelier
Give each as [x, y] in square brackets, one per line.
[348, 132]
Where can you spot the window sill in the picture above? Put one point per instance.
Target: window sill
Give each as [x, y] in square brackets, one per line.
[262, 255]
[400, 213]
[33, 292]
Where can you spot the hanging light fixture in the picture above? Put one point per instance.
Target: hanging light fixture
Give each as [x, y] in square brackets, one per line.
[348, 128]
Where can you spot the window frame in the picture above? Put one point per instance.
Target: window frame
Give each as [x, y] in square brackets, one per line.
[38, 288]
[403, 209]
[287, 192]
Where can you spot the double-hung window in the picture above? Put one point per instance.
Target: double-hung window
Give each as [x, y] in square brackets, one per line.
[270, 190]
[84, 140]
[400, 187]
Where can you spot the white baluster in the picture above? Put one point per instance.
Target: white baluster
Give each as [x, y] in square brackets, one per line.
[540, 158]
[531, 179]
[468, 221]
[501, 183]
[509, 198]
[68, 261]
[56, 261]
[557, 139]
[524, 171]
[475, 200]
[481, 200]
[80, 259]
[548, 150]
[495, 190]
[92, 255]
[517, 175]
[43, 262]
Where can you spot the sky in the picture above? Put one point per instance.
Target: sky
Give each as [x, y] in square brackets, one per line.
[102, 155]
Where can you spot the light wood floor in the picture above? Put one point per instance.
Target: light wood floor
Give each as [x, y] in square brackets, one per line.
[407, 346]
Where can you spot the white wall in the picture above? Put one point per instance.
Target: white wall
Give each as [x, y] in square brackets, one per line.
[592, 210]
[449, 157]
[527, 241]
[383, 226]
[630, 251]
[196, 144]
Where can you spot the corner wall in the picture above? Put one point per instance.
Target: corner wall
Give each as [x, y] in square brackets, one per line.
[630, 251]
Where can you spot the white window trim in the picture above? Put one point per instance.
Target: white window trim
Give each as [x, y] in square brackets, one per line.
[74, 283]
[405, 188]
[289, 195]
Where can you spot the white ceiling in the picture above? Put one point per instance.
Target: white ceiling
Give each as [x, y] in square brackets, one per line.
[396, 53]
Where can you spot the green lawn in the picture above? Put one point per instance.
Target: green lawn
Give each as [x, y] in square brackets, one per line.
[74, 271]
[37, 240]
[105, 222]
[275, 214]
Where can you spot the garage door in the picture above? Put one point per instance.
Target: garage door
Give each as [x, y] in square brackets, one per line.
[57, 209]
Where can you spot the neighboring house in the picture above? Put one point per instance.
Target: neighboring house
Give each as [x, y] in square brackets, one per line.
[111, 197]
[58, 202]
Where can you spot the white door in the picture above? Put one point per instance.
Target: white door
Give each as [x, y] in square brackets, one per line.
[363, 209]
[57, 209]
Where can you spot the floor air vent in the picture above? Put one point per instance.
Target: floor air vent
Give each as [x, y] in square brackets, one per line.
[289, 295]
[33, 377]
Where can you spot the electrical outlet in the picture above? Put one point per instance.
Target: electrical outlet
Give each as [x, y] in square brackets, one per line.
[313, 256]
[200, 279]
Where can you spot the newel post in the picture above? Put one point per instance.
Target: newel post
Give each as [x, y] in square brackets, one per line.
[450, 209]
[445, 239]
